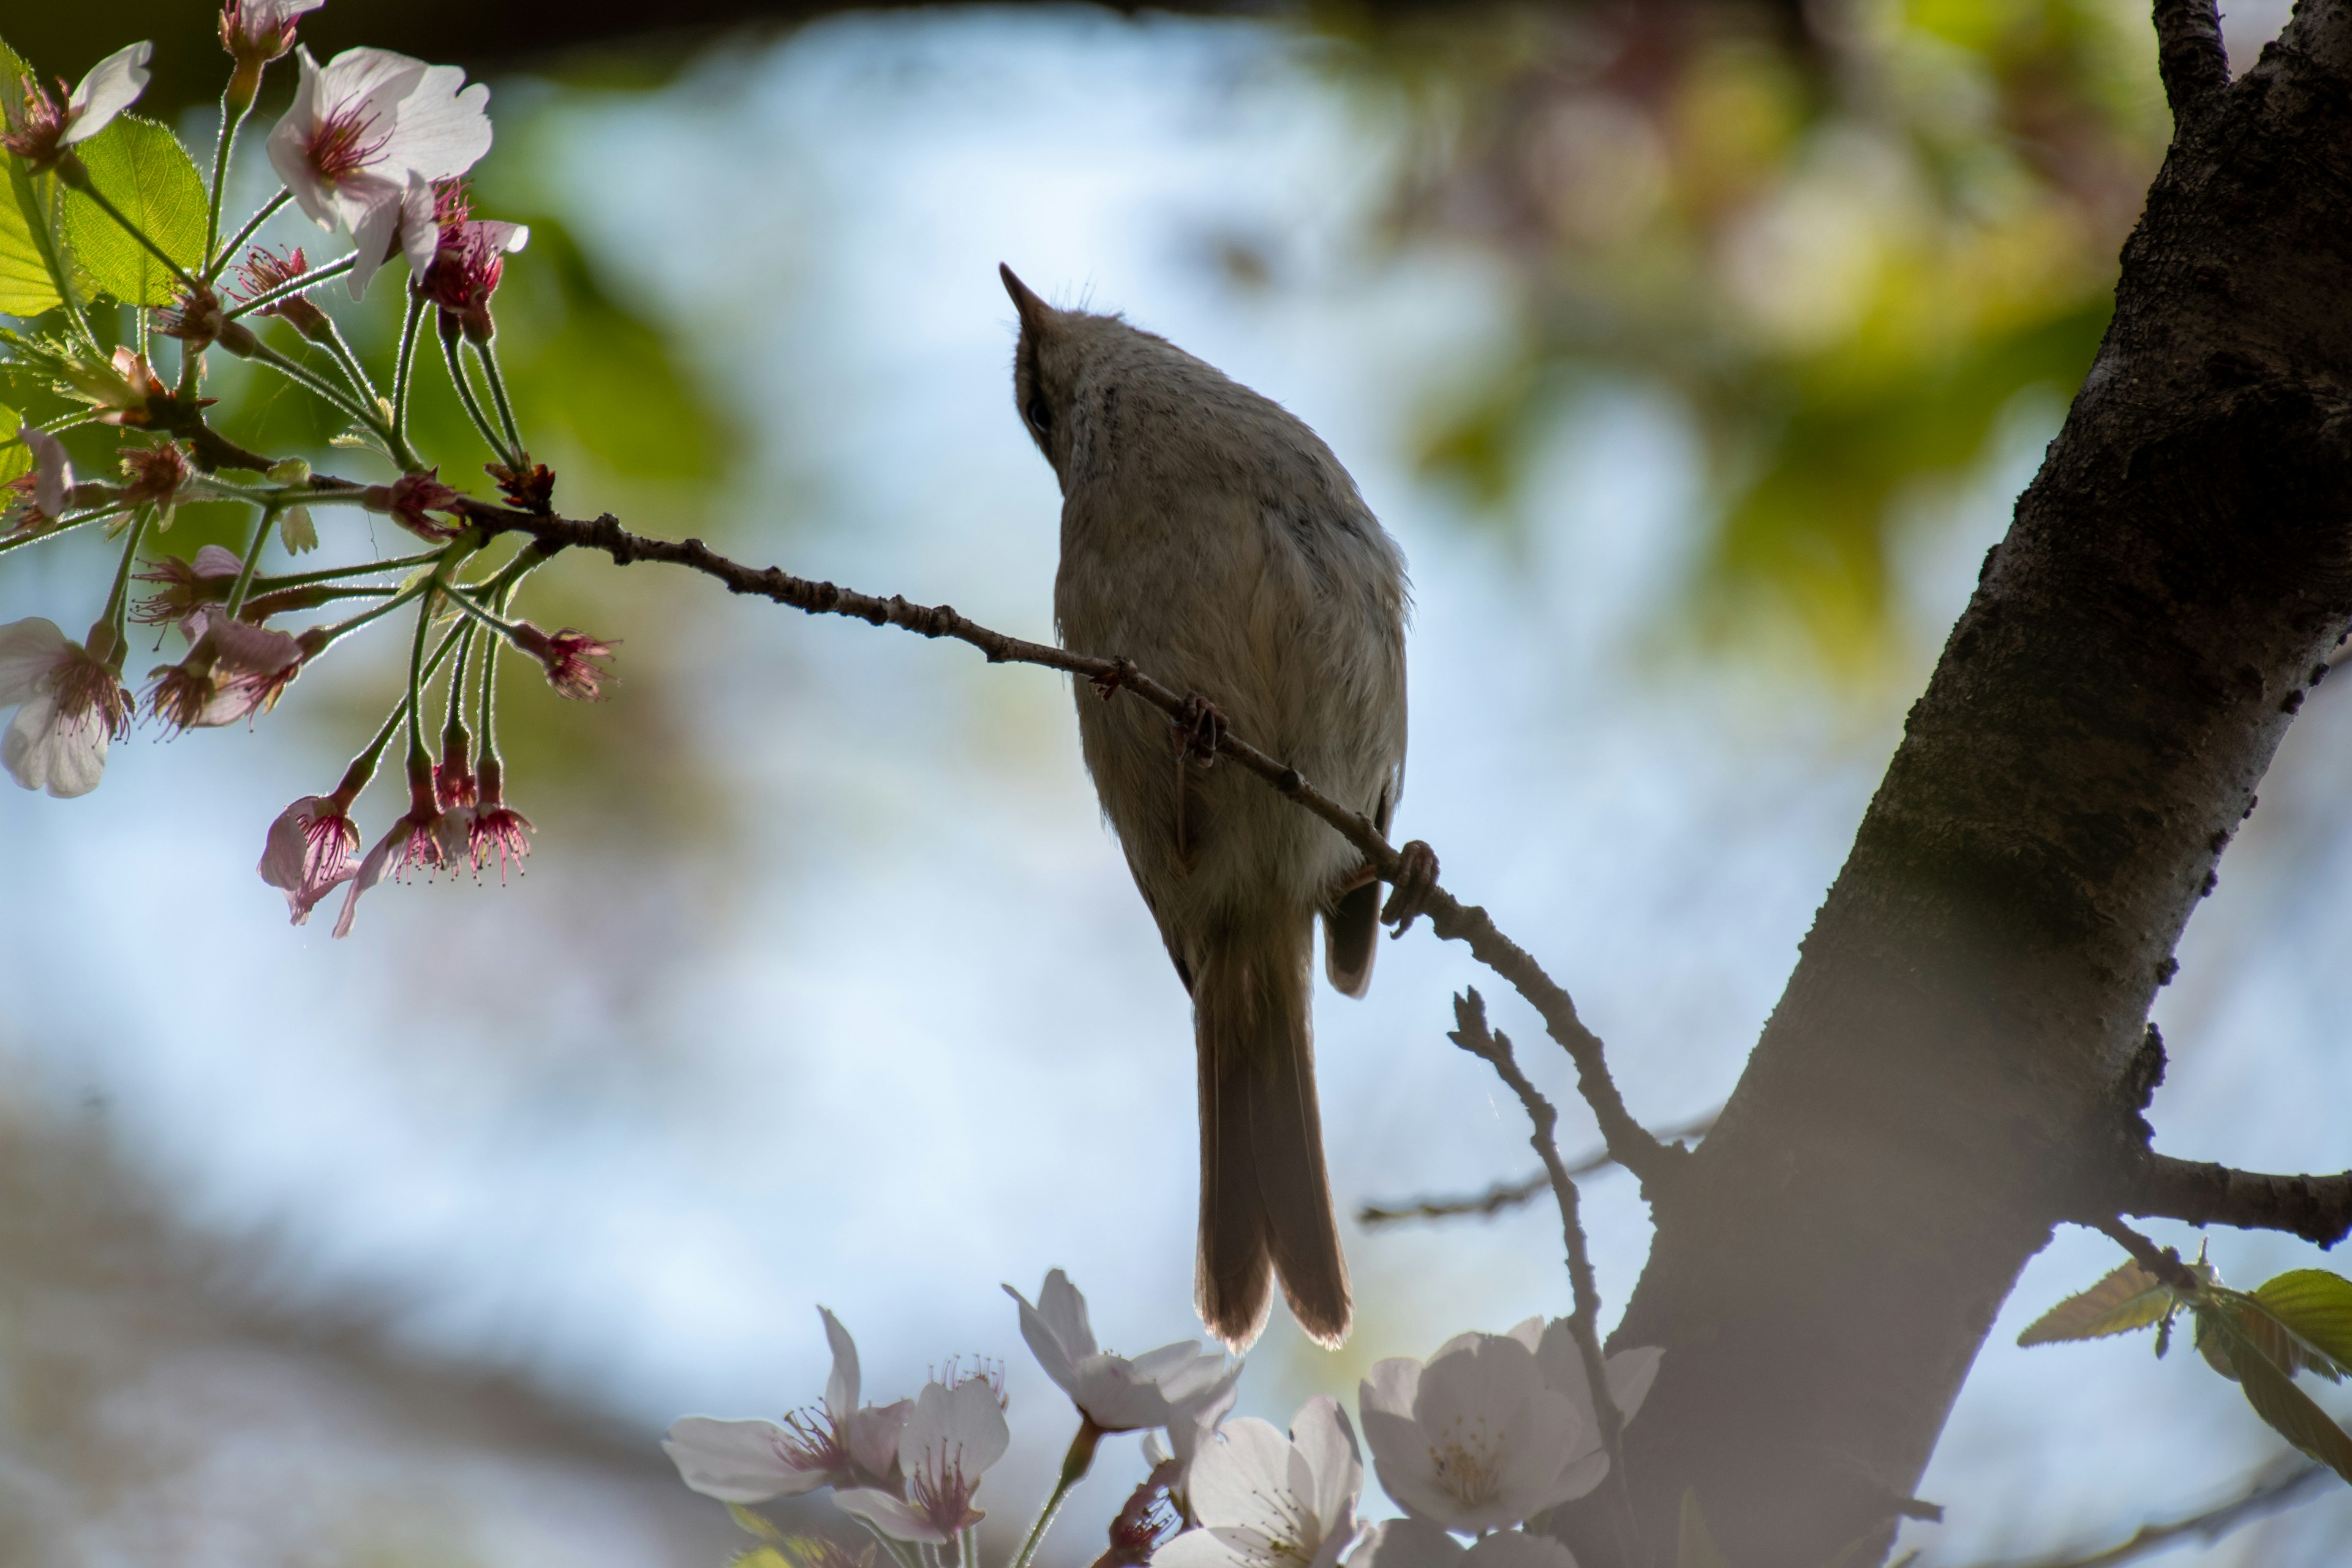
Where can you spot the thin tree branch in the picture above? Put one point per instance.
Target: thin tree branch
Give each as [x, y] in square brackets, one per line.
[2192, 58]
[2160, 1261]
[1493, 1047]
[2279, 1485]
[1629, 1143]
[1512, 1194]
[2317, 1208]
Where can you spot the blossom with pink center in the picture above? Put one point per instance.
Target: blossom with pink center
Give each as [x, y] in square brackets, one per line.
[154, 475]
[469, 259]
[41, 497]
[410, 497]
[496, 828]
[40, 129]
[453, 776]
[234, 671]
[257, 31]
[1114, 1393]
[197, 318]
[421, 837]
[262, 271]
[365, 128]
[185, 587]
[953, 1436]
[837, 1444]
[308, 852]
[1261, 1499]
[69, 704]
[566, 657]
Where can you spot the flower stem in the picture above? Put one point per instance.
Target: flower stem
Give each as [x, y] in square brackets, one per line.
[35, 536]
[454, 730]
[968, 1548]
[124, 222]
[228, 253]
[363, 766]
[897, 1549]
[264, 355]
[311, 279]
[329, 574]
[488, 354]
[233, 115]
[118, 600]
[473, 404]
[354, 371]
[252, 558]
[1074, 1465]
[403, 373]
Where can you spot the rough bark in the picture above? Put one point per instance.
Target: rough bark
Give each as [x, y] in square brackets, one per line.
[1953, 1065]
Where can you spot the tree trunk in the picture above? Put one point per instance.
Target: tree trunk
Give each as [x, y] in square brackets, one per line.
[1955, 1063]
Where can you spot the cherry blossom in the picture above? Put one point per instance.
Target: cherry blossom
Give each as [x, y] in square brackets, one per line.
[69, 705]
[567, 657]
[262, 271]
[497, 828]
[1416, 1543]
[838, 1443]
[40, 130]
[257, 31]
[1113, 1393]
[1263, 1500]
[1629, 1375]
[953, 1436]
[364, 133]
[1474, 1438]
[410, 498]
[308, 852]
[469, 259]
[185, 587]
[421, 837]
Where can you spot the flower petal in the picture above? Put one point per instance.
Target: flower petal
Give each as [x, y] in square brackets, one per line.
[30, 652]
[1407, 1543]
[1236, 1480]
[290, 144]
[439, 131]
[47, 749]
[1517, 1548]
[874, 1433]
[841, 1387]
[734, 1461]
[1051, 1353]
[889, 1515]
[112, 86]
[1328, 1443]
[53, 474]
[370, 873]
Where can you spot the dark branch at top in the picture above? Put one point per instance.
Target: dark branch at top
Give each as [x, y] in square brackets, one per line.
[2192, 58]
[1629, 1143]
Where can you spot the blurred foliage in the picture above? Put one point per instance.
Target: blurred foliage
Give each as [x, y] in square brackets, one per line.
[1846, 238]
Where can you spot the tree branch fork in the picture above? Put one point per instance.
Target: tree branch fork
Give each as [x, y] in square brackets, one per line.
[2141, 1183]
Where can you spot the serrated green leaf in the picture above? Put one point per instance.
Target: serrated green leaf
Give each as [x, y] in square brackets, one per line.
[2273, 1392]
[141, 168]
[28, 284]
[2315, 1307]
[1694, 1544]
[2130, 1298]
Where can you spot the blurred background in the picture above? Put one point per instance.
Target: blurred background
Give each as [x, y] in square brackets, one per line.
[1693, 352]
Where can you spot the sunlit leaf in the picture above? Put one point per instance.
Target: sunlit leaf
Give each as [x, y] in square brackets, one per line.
[2315, 1307]
[753, 1524]
[2270, 1390]
[141, 168]
[2130, 1298]
[1694, 1544]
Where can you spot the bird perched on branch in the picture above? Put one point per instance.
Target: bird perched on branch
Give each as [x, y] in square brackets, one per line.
[1209, 537]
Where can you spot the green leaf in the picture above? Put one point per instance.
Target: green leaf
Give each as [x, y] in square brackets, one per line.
[16, 457]
[141, 168]
[1696, 1546]
[2315, 1307]
[2130, 1298]
[28, 283]
[753, 1523]
[2272, 1391]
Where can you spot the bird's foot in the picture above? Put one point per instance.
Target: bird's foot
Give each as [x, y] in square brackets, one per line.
[1415, 879]
[1107, 683]
[1199, 731]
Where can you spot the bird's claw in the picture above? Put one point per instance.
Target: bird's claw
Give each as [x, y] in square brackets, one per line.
[1200, 730]
[1415, 879]
[1107, 683]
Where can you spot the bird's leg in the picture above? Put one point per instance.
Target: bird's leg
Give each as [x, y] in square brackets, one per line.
[1106, 684]
[1198, 729]
[1416, 876]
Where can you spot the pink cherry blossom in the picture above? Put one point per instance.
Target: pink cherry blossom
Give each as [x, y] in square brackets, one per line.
[41, 497]
[837, 1444]
[421, 837]
[496, 828]
[308, 852]
[364, 131]
[410, 498]
[567, 657]
[953, 1436]
[257, 31]
[40, 129]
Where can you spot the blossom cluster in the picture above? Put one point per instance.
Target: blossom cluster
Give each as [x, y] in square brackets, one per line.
[375, 147]
[1485, 1435]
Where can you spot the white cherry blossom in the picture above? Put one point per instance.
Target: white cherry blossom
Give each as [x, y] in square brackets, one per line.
[950, 1440]
[69, 706]
[40, 130]
[841, 1444]
[1260, 1500]
[1475, 1439]
[367, 134]
[1416, 1543]
[1114, 1393]
[1629, 1375]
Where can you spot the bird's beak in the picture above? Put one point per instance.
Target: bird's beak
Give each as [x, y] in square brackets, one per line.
[1031, 308]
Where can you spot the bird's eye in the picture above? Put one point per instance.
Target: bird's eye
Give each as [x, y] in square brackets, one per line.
[1040, 417]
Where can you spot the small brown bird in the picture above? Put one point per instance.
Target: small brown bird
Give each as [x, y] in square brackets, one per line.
[1211, 537]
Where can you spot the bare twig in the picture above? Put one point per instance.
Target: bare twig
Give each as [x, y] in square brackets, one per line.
[1493, 1047]
[2160, 1261]
[2317, 1208]
[2192, 58]
[1512, 1194]
[1632, 1145]
[2281, 1484]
